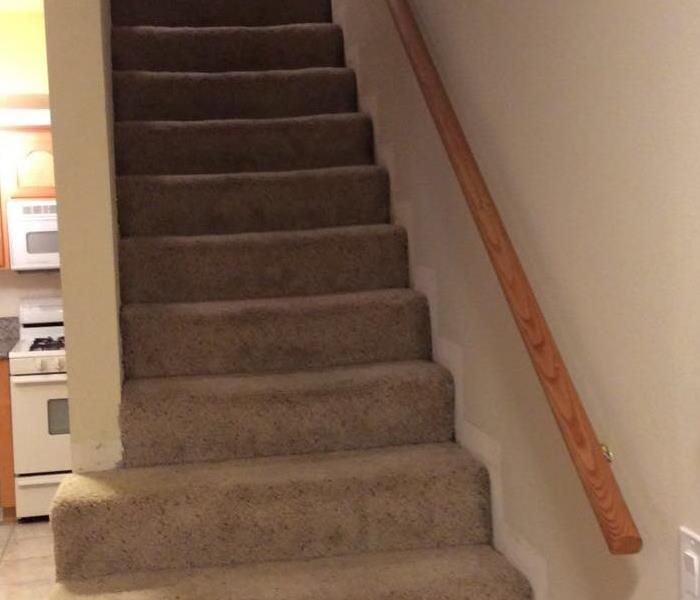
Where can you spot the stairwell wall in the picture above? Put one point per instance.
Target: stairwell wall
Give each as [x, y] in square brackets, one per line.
[584, 118]
[80, 82]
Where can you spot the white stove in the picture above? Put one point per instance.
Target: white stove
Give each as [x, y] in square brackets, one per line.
[38, 355]
[40, 419]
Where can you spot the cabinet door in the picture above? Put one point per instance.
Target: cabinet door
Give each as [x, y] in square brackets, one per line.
[7, 473]
[26, 171]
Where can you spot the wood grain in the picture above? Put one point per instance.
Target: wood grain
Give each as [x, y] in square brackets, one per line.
[7, 471]
[604, 495]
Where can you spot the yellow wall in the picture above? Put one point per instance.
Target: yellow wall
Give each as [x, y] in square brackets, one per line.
[585, 118]
[22, 53]
[23, 70]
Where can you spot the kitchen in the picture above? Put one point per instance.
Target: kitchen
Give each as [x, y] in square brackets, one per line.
[34, 423]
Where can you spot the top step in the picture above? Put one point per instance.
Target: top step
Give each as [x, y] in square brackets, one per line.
[222, 13]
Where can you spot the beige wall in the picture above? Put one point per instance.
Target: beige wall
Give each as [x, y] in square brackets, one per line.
[585, 118]
[81, 113]
[23, 71]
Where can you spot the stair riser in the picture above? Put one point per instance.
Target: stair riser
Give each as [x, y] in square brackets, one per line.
[248, 13]
[154, 96]
[220, 49]
[262, 265]
[459, 573]
[262, 522]
[244, 203]
[171, 421]
[273, 336]
[245, 146]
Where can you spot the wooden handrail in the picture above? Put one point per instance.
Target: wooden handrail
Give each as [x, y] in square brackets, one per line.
[593, 469]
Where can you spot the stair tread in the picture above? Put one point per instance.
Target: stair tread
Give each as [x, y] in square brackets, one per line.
[188, 30]
[272, 508]
[194, 178]
[254, 384]
[124, 484]
[459, 573]
[212, 49]
[302, 303]
[160, 125]
[263, 265]
[274, 334]
[219, 12]
[248, 202]
[157, 95]
[270, 237]
[231, 76]
[243, 145]
[284, 413]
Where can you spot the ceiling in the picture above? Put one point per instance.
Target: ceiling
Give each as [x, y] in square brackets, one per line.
[34, 6]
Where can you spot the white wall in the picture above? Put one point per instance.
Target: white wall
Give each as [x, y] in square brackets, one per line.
[79, 81]
[585, 120]
[16, 286]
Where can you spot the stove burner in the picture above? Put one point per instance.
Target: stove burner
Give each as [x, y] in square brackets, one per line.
[48, 343]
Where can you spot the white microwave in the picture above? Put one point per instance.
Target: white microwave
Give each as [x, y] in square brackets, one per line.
[32, 226]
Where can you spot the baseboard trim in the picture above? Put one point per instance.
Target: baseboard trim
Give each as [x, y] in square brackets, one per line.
[449, 354]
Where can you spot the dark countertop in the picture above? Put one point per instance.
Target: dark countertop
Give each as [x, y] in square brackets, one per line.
[9, 334]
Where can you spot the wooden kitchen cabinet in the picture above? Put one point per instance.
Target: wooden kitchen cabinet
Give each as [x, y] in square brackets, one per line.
[7, 473]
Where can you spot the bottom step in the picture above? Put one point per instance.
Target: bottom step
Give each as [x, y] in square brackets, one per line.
[461, 573]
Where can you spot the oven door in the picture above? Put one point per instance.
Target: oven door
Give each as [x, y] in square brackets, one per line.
[33, 234]
[40, 423]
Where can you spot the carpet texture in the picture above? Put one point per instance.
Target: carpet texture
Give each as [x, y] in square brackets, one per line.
[264, 509]
[252, 202]
[144, 96]
[195, 13]
[222, 146]
[348, 408]
[274, 334]
[218, 49]
[463, 573]
[285, 432]
[263, 265]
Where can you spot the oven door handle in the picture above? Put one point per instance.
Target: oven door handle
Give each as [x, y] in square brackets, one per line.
[33, 481]
[33, 379]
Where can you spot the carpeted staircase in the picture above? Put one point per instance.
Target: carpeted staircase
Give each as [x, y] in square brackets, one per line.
[286, 435]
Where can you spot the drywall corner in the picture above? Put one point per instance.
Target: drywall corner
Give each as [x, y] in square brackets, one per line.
[80, 90]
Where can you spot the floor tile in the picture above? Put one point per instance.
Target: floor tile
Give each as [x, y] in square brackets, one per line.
[32, 530]
[33, 547]
[29, 591]
[27, 570]
[5, 533]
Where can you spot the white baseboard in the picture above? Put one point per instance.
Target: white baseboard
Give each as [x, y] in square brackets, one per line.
[486, 449]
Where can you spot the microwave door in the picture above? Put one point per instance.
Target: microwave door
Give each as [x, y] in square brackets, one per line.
[34, 244]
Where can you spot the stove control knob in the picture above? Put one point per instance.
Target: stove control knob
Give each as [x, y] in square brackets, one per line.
[42, 365]
[61, 365]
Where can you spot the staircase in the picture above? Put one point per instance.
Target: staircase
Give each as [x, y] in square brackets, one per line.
[285, 432]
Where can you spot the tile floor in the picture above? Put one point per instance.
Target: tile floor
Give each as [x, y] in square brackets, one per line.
[26, 561]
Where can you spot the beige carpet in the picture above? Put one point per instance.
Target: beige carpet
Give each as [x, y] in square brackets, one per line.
[285, 432]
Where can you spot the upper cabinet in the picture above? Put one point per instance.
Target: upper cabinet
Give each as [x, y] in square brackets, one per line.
[26, 161]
